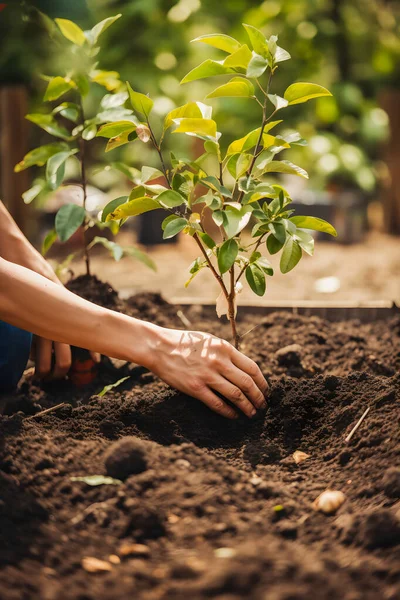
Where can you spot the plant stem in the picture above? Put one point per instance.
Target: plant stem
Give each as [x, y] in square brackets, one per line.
[84, 183]
[259, 241]
[231, 308]
[211, 266]
[160, 154]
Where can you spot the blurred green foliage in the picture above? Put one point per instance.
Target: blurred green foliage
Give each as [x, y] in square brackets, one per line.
[351, 47]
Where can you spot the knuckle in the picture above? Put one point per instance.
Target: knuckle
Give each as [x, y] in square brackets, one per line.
[237, 395]
[197, 385]
[247, 383]
[254, 371]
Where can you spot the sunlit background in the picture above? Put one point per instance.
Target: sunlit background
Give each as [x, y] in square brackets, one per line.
[351, 47]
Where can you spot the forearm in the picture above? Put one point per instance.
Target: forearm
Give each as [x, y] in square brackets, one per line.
[33, 303]
[15, 248]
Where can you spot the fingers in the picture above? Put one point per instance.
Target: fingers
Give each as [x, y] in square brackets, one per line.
[62, 360]
[235, 395]
[43, 357]
[246, 384]
[244, 363]
[96, 356]
[44, 368]
[207, 396]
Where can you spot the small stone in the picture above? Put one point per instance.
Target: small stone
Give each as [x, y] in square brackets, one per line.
[331, 382]
[173, 518]
[225, 552]
[299, 456]
[134, 550]
[114, 559]
[95, 565]
[289, 355]
[125, 457]
[255, 480]
[329, 501]
[181, 463]
[391, 482]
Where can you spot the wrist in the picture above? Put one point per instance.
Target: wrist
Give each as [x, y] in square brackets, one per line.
[133, 340]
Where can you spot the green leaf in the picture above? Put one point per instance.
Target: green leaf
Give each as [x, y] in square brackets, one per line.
[255, 277]
[251, 139]
[68, 220]
[213, 183]
[278, 230]
[306, 241]
[96, 31]
[149, 173]
[273, 245]
[49, 241]
[141, 256]
[301, 92]
[257, 66]
[114, 100]
[49, 124]
[236, 87]
[89, 132]
[172, 228]
[57, 87]
[220, 41]
[119, 140]
[71, 31]
[291, 255]
[191, 109]
[168, 219]
[236, 219]
[265, 265]
[95, 480]
[227, 255]
[278, 101]
[281, 55]
[112, 130]
[208, 68]
[111, 206]
[39, 156]
[82, 82]
[170, 199]
[203, 128]
[314, 223]
[219, 218]
[257, 40]
[68, 110]
[32, 193]
[140, 102]
[239, 59]
[55, 169]
[115, 249]
[108, 79]
[208, 241]
[281, 166]
[134, 207]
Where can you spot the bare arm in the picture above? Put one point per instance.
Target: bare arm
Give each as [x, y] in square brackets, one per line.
[196, 363]
[15, 248]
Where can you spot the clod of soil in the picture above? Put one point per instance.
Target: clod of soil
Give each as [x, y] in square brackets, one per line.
[126, 457]
[221, 511]
[391, 482]
[380, 529]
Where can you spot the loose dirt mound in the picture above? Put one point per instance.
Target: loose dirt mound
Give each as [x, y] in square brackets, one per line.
[218, 509]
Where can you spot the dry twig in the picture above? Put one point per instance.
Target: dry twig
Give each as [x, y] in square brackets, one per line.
[357, 425]
[46, 412]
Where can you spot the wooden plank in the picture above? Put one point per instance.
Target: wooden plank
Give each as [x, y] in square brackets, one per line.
[13, 146]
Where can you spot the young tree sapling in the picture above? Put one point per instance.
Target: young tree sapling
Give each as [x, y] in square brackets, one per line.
[246, 162]
[73, 129]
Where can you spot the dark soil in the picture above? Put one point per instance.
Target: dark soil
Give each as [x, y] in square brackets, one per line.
[219, 508]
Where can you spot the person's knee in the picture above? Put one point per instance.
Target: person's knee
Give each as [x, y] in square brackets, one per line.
[15, 345]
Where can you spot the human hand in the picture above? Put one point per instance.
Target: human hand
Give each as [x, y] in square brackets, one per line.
[52, 359]
[200, 364]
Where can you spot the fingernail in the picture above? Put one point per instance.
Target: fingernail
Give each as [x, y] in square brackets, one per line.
[253, 412]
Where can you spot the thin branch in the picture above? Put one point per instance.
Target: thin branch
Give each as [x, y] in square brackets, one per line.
[46, 411]
[84, 183]
[211, 266]
[258, 244]
[357, 425]
[231, 307]
[158, 148]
